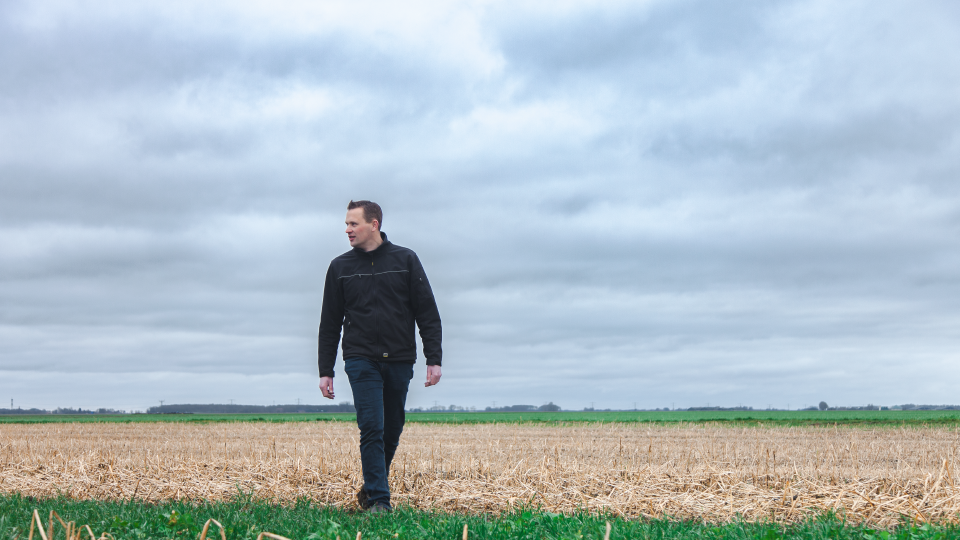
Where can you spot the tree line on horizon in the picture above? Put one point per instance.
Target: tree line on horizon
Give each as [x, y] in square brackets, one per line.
[347, 407]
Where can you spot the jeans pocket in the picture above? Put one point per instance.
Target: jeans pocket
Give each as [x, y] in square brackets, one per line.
[353, 367]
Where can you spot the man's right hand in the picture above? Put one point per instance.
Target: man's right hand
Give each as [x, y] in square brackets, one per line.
[326, 386]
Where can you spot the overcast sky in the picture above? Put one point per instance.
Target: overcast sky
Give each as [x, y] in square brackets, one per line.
[660, 203]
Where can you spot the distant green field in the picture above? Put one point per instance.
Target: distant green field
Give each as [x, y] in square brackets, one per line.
[754, 418]
[733, 417]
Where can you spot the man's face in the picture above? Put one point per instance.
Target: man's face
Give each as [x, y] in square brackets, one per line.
[359, 232]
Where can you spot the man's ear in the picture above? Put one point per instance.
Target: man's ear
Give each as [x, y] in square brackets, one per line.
[377, 226]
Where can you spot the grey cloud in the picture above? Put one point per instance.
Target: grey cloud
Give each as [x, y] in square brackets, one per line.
[826, 146]
[644, 44]
[86, 58]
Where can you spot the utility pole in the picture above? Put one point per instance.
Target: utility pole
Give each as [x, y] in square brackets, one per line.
[672, 407]
[634, 405]
[231, 402]
[298, 402]
[161, 403]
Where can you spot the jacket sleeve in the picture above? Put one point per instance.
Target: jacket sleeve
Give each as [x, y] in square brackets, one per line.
[426, 313]
[331, 323]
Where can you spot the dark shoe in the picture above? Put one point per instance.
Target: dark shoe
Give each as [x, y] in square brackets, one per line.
[363, 499]
[379, 508]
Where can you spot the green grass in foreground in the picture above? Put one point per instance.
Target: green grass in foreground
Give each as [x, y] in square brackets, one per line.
[766, 418]
[245, 519]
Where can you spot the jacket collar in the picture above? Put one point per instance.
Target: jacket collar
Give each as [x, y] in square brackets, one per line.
[385, 243]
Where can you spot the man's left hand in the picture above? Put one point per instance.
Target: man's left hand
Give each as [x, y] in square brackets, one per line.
[433, 375]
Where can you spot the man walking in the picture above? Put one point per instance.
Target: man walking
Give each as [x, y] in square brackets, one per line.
[375, 293]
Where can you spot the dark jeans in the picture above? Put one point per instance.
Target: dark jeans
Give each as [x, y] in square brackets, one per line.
[379, 394]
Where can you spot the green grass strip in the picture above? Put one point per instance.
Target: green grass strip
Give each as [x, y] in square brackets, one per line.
[732, 418]
[245, 518]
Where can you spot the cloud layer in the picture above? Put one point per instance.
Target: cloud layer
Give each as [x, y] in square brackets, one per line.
[654, 203]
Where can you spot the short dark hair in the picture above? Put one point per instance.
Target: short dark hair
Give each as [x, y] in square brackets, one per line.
[371, 211]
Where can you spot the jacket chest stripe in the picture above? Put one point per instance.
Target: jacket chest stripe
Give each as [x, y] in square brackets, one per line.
[375, 274]
[353, 275]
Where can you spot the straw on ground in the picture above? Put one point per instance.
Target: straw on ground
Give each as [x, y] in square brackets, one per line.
[715, 473]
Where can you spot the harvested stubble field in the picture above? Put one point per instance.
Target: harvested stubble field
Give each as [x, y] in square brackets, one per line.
[714, 473]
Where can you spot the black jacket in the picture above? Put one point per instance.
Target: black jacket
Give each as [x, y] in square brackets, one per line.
[376, 297]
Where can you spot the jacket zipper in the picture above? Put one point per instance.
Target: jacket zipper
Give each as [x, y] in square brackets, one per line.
[376, 310]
